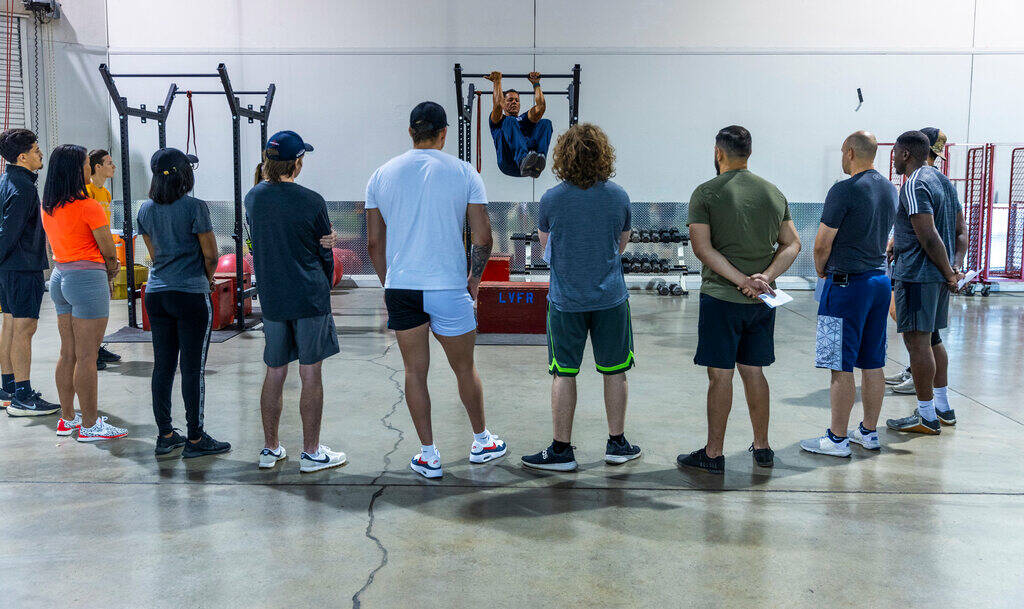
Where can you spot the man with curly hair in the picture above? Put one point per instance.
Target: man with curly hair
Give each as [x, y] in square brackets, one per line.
[586, 218]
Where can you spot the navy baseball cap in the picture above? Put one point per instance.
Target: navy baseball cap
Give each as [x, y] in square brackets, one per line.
[936, 140]
[167, 160]
[286, 146]
[428, 116]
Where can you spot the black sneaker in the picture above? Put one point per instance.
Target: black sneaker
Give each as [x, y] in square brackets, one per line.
[101, 365]
[205, 446]
[763, 457]
[617, 453]
[699, 459]
[946, 417]
[532, 165]
[32, 405]
[108, 357]
[166, 445]
[550, 460]
[5, 399]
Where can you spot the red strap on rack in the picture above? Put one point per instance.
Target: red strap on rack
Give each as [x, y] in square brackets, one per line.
[190, 128]
[479, 153]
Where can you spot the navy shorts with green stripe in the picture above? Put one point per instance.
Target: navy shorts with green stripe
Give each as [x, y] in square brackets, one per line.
[611, 336]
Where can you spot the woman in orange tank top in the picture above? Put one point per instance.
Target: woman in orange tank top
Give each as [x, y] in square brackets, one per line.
[85, 261]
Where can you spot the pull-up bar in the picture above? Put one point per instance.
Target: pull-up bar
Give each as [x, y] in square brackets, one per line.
[525, 92]
[160, 116]
[503, 75]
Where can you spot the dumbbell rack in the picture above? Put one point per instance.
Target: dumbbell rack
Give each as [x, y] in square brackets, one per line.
[679, 268]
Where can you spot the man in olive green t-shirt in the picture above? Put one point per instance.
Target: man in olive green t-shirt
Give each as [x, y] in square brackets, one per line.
[741, 231]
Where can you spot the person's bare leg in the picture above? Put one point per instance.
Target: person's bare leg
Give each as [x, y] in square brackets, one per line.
[842, 394]
[6, 337]
[64, 376]
[415, 347]
[941, 365]
[922, 363]
[563, 406]
[271, 404]
[21, 347]
[459, 351]
[88, 336]
[616, 394]
[872, 391]
[755, 387]
[311, 405]
[719, 405]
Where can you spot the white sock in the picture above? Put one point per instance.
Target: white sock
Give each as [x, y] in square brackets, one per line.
[926, 410]
[315, 454]
[482, 437]
[429, 453]
[941, 399]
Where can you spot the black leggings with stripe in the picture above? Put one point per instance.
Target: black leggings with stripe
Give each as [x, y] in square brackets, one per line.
[181, 323]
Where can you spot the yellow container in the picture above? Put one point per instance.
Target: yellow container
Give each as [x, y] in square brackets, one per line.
[121, 281]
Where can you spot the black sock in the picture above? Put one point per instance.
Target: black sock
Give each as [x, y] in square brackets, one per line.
[834, 437]
[8, 383]
[865, 430]
[560, 447]
[22, 388]
[619, 439]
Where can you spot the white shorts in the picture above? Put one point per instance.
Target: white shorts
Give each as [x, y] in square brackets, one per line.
[450, 312]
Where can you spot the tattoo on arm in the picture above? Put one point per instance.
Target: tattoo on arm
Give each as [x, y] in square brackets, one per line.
[478, 257]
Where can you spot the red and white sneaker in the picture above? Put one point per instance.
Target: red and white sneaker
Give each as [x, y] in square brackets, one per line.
[482, 452]
[101, 431]
[66, 427]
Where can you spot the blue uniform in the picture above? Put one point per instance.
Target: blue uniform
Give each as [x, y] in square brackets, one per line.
[515, 137]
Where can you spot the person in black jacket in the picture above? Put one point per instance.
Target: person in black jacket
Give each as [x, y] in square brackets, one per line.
[22, 262]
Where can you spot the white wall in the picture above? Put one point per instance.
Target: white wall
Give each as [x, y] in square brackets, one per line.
[661, 77]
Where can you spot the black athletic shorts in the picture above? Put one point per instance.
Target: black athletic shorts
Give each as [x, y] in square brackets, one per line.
[730, 333]
[611, 336]
[21, 293]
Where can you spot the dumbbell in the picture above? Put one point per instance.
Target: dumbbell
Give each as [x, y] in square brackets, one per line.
[645, 236]
[534, 236]
[647, 263]
[674, 235]
[634, 237]
[665, 235]
[663, 265]
[627, 263]
[676, 289]
[663, 288]
[655, 236]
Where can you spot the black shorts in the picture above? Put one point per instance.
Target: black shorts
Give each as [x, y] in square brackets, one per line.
[611, 336]
[21, 293]
[730, 333]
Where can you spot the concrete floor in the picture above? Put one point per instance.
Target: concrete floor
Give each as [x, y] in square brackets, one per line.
[928, 522]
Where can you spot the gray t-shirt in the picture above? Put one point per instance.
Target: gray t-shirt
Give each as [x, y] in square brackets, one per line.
[862, 209]
[926, 191]
[178, 265]
[584, 227]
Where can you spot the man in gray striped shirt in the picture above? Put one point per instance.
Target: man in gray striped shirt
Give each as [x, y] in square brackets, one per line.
[930, 245]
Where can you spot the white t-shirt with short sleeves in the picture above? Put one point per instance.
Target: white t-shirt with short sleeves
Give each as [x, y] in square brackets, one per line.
[422, 196]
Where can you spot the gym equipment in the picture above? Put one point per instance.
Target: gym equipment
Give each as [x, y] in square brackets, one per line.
[226, 264]
[645, 263]
[676, 289]
[645, 236]
[634, 237]
[663, 289]
[497, 268]
[160, 116]
[656, 236]
[511, 307]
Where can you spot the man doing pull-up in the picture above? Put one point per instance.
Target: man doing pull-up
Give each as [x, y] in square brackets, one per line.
[520, 140]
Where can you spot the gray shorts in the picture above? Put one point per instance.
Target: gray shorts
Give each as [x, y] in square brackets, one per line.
[82, 293]
[921, 307]
[309, 340]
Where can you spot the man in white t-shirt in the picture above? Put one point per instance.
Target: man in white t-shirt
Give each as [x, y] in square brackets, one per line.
[416, 206]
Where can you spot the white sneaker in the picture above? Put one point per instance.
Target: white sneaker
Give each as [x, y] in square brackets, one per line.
[269, 458]
[868, 441]
[101, 431]
[825, 446]
[323, 459]
[482, 452]
[66, 427]
[427, 469]
[898, 378]
[906, 387]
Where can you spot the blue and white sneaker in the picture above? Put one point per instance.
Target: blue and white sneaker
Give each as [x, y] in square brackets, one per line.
[427, 468]
[482, 452]
[324, 458]
[867, 440]
[269, 458]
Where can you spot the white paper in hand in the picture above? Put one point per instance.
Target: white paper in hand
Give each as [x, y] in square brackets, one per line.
[778, 300]
[967, 279]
